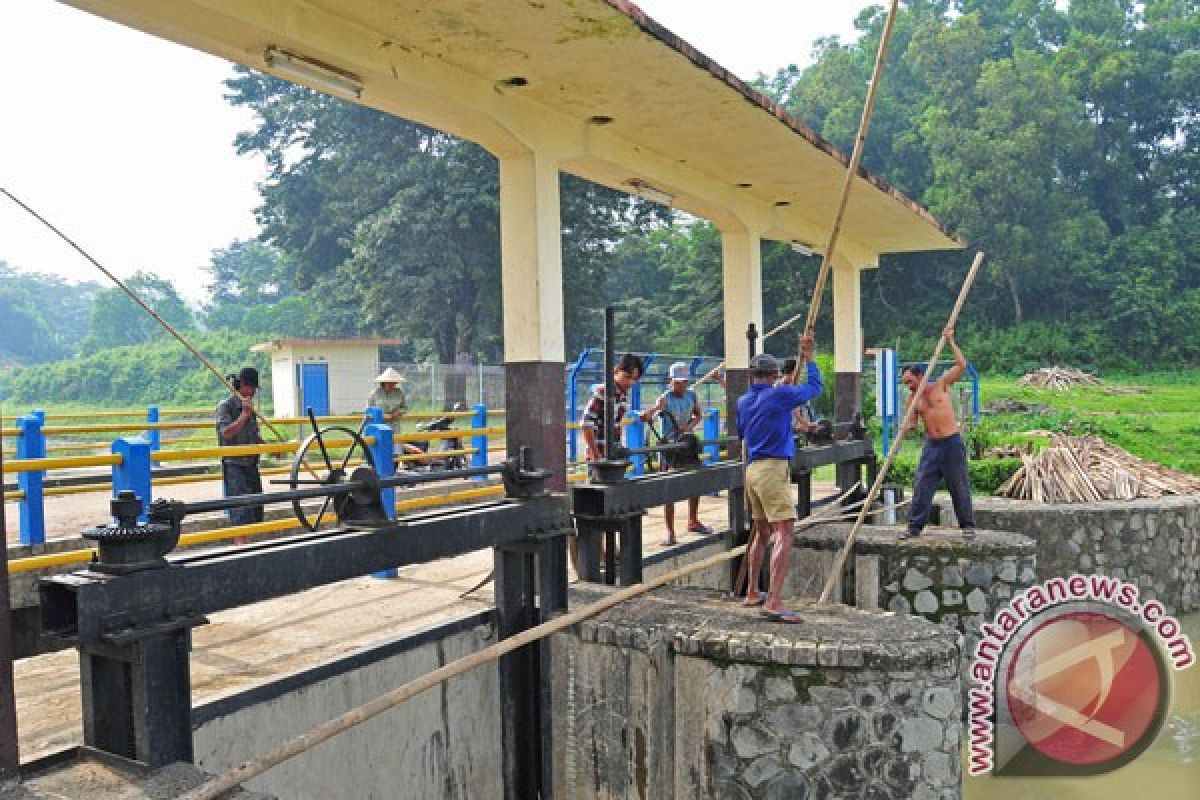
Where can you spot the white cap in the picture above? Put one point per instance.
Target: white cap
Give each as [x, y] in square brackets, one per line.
[390, 375]
[679, 371]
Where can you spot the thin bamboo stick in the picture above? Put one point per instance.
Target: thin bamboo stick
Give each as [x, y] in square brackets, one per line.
[840, 561]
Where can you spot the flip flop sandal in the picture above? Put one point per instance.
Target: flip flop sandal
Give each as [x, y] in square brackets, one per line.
[665, 543]
[702, 530]
[762, 598]
[785, 616]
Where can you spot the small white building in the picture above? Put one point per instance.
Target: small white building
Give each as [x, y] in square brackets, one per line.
[333, 376]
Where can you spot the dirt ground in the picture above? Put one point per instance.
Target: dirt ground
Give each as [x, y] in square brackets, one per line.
[255, 644]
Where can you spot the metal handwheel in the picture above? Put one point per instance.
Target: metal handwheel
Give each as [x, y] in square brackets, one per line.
[320, 468]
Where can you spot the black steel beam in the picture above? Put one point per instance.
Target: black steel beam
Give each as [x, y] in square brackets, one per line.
[638, 494]
[813, 457]
[93, 606]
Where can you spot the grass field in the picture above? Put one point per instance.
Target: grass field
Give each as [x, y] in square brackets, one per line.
[1160, 421]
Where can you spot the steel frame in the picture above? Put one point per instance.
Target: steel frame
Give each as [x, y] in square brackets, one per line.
[133, 630]
[612, 513]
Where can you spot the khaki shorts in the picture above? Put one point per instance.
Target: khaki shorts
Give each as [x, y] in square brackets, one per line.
[769, 489]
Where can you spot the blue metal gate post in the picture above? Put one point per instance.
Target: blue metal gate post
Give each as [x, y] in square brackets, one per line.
[479, 441]
[637, 439]
[31, 444]
[712, 432]
[133, 472]
[383, 453]
[153, 435]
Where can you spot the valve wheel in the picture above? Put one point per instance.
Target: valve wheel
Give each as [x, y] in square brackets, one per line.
[313, 460]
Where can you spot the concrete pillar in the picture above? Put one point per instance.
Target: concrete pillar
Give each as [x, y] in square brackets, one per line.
[741, 266]
[847, 340]
[532, 292]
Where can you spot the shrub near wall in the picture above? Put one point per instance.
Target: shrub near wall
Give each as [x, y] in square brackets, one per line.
[987, 475]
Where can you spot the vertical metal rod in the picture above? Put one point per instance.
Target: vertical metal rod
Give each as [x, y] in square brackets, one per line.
[9, 760]
[610, 386]
[752, 339]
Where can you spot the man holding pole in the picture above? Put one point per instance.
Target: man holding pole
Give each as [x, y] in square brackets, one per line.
[237, 424]
[944, 455]
[764, 418]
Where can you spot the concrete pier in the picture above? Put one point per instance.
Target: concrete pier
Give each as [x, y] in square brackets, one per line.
[939, 576]
[683, 694]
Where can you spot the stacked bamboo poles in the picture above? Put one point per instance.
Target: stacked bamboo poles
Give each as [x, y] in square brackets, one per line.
[1087, 469]
[1059, 378]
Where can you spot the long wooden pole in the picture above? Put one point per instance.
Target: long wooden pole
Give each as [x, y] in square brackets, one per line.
[135, 298]
[327, 730]
[860, 141]
[840, 561]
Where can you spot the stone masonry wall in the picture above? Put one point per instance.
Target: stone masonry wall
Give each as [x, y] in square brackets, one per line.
[681, 694]
[938, 576]
[1152, 543]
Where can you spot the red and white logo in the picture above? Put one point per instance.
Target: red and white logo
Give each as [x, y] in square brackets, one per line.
[1085, 689]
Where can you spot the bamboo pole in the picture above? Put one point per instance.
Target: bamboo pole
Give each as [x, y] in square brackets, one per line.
[860, 142]
[840, 561]
[135, 298]
[355, 716]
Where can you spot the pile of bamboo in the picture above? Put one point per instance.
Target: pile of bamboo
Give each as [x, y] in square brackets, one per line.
[1060, 378]
[1086, 469]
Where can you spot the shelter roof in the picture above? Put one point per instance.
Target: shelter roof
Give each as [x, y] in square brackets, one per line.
[279, 344]
[632, 100]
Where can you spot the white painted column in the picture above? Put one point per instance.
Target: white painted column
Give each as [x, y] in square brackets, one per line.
[847, 317]
[532, 294]
[741, 269]
[847, 339]
[531, 259]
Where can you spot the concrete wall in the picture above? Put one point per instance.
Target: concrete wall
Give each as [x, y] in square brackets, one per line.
[444, 743]
[690, 552]
[1153, 543]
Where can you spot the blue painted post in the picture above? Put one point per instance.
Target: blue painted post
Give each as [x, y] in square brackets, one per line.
[712, 430]
[31, 444]
[40, 413]
[637, 438]
[154, 435]
[375, 415]
[480, 440]
[383, 453]
[133, 472]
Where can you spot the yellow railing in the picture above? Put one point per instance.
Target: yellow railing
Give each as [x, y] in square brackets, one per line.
[49, 560]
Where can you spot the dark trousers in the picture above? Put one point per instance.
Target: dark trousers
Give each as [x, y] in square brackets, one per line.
[242, 479]
[942, 459]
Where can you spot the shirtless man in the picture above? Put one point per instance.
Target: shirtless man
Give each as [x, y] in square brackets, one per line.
[944, 455]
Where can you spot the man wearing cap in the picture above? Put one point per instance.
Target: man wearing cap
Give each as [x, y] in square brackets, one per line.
[764, 420]
[680, 410]
[238, 425]
[388, 396]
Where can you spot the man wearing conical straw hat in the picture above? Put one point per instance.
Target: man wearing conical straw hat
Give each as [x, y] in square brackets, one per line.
[388, 396]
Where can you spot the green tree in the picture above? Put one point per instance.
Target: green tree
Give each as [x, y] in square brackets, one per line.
[117, 320]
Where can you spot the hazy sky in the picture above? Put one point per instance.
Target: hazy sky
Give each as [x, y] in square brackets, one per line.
[124, 141]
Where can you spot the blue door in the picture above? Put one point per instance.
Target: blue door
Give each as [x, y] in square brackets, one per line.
[314, 388]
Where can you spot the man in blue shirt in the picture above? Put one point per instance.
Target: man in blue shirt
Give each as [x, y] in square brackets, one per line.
[764, 420]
